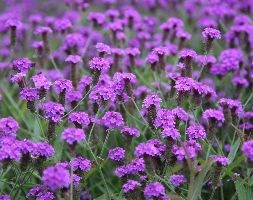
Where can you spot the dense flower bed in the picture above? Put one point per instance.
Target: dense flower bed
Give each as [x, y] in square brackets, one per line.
[126, 99]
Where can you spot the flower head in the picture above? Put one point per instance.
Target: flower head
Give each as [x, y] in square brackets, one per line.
[73, 135]
[53, 111]
[247, 149]
[8, 126]
[154, 190]
[112, 119]
[177, 179]
[56, 177]
[116, 154]
[130, 185]
[211, 33]
[196, 131]
[22, 65]
[99, 64]
[220, 160]
[153, 147]
[81, 163]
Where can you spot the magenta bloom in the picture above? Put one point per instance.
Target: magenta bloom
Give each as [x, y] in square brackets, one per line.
[214, 115]
[171, 133]
[177, 179]
[41, 192]
[41, 82]
[42, 149]
[73, 135]
[29, 94]
[247, 149]
[99, 64]
[9, 149]
[112, 120]
[211, 33]
[80, 118]
[116, 154]
[130, 185]
[22, 65]
[196, 131]
[220, 160]
[103, 48]
[73, 59]
[62, 85]
[154, 190]
[151, 100]
[53, 111]
[8, 126]
[130, 132]
[56, 177]
[164, 119]
[81, 163]
[153, 147]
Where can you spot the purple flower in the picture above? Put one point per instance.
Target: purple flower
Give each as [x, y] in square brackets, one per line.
[73, 96]
[8, 126]
[101, 94]
[22, 65]
[171, 133]
[73, 135]
[103, 48]
[99, 64]
[13, 23]
[187, 53]
[132, 51]
[177, 179]
[84, 83]
[152, 58]
[29, 94]
[43, 30]
[62, 85]
[196, 131]
[62, 25]
[247, 149]
[153, 147]
[180, 113]
[215, 115]
[211, 33]
[164, 119]
[112, 120]
[5, 197]
[41, 193]
[151, 99]
[73, 59]
[220, 160]
[184, 84]
[18, 78]
[56, 177]
[154, 190]
[53, 111]
[191, 146]
[130, 132]
[42, 149]
[81, 163]
[41, 82]
[9, 149]
[73, 40]
[130, 185]
[80, 118]
[116, 154]
[233, 105]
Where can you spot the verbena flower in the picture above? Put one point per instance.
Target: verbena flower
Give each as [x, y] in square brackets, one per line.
[22, 65]
[56, 177]
[130, 132]
[153, 147]
[196, 131]
[8, 126]
[79, 118]
[130, 185]
[81, 163]
[5, 197]
[112, 120]
[247, 148]
[220, 160]
[116, 154]
[177, 179]
[154, 190]
[73, 135]
[53, 111]
[42, 149]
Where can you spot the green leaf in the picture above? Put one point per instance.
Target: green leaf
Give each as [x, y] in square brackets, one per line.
[234, 149]
[243, 192]
[195, 188]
